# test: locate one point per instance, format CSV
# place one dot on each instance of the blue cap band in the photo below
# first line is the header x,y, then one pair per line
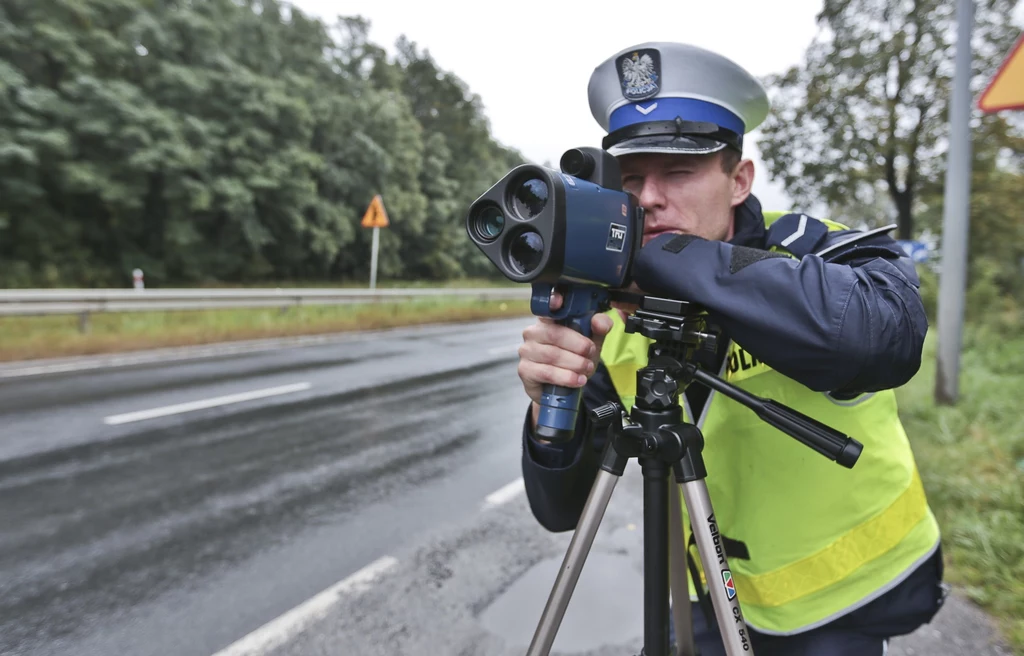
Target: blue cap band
x,y
689,109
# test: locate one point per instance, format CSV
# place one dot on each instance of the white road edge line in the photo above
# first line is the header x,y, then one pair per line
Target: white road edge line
x,y
141,415
504,495
278,631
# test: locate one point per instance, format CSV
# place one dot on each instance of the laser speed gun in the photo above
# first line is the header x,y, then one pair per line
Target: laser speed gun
x,y
573,230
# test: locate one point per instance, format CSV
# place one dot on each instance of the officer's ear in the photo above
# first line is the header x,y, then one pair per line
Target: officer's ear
x,y
742,177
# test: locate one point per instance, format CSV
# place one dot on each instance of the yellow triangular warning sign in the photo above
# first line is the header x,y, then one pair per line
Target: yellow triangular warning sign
x,y
1006,90
375,216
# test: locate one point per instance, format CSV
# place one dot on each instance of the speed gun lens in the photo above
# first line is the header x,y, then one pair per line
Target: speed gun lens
x,y
526,252
530,198
488,223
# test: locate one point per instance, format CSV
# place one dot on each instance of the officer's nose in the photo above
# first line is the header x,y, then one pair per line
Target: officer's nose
x,y
652,195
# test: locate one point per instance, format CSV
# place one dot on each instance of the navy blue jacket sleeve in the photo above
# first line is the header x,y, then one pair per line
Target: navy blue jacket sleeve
x,y
851,323
558,477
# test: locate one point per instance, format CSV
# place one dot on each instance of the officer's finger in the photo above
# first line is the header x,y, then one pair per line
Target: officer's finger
x,y
554,304
600,326
546,354
535,374
561,336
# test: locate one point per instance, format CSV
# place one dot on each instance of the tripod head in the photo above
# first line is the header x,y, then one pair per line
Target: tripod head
x,y
679,329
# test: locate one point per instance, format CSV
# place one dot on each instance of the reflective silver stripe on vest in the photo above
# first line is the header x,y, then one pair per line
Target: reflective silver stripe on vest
x,y
849,403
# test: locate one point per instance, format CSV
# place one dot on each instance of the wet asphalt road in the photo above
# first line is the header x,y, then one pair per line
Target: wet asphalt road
x,y
185,533
180,534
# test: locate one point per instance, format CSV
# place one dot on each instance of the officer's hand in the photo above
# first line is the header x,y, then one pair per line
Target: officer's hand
x,y
558,355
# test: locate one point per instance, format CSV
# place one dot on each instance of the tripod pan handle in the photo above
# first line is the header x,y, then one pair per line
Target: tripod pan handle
x,y
822,438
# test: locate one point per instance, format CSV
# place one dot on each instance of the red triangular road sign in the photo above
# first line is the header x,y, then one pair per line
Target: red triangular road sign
x,y
1006,90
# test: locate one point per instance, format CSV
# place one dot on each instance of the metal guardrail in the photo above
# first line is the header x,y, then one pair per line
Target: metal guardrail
x,y
27,302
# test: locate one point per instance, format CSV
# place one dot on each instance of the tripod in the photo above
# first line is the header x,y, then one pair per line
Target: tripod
x,y
654,432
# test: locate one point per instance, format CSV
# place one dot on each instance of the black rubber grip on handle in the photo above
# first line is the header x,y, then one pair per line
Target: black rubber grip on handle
x,y
824,439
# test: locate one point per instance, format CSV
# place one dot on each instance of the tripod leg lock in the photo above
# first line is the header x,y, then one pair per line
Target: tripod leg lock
x,y
690,465
666,445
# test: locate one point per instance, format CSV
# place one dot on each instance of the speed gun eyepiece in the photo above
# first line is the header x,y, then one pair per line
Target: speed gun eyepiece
x,y
577,163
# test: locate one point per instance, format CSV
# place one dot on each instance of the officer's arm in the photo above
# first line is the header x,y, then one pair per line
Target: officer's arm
x,y
558,477
849,325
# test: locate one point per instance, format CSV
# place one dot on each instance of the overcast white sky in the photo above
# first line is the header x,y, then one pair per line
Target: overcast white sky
x,y
530,62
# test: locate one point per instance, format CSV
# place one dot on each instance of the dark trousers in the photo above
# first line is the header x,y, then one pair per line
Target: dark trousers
x,y
862,632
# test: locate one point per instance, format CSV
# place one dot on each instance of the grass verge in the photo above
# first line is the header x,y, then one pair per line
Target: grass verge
x,y
971,457
26,338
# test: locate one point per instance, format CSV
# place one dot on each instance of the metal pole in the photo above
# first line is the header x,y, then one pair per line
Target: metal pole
x,y
956,216
373,258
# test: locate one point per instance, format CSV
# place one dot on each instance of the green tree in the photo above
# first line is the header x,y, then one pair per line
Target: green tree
x,y
227,140
996,238
865,116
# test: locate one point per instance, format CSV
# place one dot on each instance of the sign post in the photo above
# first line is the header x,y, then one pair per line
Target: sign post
x,y
955,216
376,217
1004,92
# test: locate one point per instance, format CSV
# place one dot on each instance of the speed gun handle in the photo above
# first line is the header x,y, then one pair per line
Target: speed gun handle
x,y
559,406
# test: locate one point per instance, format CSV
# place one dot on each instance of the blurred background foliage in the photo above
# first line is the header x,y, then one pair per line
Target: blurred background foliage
x,y
222,141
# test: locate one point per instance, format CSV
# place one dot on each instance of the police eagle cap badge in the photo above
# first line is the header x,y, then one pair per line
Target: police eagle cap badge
x,y
639,73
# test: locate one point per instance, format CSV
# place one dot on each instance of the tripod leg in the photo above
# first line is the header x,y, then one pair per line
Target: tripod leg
x,y
656,566
682,616
716,569
572,564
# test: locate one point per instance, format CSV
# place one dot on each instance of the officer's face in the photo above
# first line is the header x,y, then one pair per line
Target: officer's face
x,y
689,194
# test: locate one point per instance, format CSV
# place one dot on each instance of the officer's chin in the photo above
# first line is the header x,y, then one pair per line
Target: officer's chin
x,y
651,235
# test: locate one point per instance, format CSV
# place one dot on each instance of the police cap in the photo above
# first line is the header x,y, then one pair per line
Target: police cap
x,y
660,97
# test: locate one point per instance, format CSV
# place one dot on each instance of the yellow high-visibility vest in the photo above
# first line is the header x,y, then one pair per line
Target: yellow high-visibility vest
x,y
822,539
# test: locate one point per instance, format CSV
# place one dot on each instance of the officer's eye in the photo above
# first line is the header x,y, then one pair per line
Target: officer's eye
x,y
632,183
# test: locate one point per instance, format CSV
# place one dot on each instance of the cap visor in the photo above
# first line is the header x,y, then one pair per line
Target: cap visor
x,y
667,144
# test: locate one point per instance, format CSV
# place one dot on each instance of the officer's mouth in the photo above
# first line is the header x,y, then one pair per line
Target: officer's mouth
x,y
648,236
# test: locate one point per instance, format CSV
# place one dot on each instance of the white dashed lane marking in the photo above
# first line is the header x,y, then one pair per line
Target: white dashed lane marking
x,y
191,406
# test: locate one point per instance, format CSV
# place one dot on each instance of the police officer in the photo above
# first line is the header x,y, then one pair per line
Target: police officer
x,y
827,561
